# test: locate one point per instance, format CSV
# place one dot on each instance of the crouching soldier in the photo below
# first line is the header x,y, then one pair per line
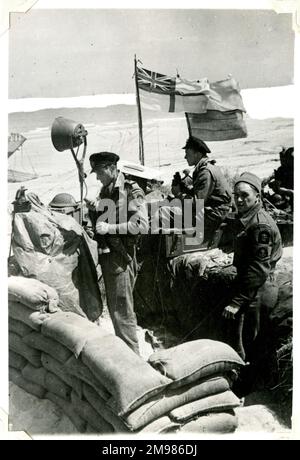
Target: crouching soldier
x,y
120,215
257,249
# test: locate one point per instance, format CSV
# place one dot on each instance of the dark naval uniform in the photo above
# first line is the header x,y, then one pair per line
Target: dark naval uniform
x,y
257,248
119,266
210,185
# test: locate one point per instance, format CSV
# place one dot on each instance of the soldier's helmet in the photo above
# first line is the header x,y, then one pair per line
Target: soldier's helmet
x,y
64,203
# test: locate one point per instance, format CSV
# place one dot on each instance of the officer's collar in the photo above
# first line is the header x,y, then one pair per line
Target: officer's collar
x,y
202,162
118,183
120,180
246,218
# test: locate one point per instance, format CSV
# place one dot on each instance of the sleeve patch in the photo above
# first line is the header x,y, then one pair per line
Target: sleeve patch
x,y
263,237
262,253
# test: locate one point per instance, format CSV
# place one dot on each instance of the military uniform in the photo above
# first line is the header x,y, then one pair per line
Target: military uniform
x,y
210,185
119,266
257,248
285,176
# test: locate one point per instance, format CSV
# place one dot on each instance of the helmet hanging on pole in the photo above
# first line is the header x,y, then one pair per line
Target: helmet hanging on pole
x,y
67,134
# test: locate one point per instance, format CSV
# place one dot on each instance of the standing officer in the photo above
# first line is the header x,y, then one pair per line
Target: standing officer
x,y
121,214
257,248
209,184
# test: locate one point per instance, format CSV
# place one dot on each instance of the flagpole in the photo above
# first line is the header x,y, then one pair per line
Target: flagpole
x,y
140,121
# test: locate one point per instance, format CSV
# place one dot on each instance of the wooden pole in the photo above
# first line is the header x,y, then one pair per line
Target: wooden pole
x,y
140,121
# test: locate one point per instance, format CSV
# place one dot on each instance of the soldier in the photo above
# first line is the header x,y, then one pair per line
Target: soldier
x,y
281,181
116,233
209,184
65,203
257,248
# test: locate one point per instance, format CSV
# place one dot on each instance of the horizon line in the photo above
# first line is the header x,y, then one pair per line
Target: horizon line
x,y
258,102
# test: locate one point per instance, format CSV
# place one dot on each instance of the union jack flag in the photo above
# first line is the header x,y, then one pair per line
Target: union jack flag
x,y
155,82
175,94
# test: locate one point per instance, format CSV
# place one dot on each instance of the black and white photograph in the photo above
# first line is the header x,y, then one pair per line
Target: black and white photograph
x,y
148,236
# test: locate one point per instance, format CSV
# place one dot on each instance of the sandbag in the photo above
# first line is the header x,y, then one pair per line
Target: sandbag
x,y
56,386
102,409
86,411
17,361
216,403
32,388
69,410
71,330
57,368
126,375
163,403
18,327
32,293
34,374
57,271
90,429
20,312
160,426
222,422
19,346
194,360
284,307
49,346
53,248
79,370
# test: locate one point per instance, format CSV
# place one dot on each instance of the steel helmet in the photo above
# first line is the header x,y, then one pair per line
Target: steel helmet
x,y
63,200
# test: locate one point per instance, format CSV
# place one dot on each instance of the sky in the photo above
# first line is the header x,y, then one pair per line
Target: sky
x,y
69,53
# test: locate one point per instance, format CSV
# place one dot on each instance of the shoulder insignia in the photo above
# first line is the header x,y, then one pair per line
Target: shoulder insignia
x,y
134,189
262,232
263,237
262,253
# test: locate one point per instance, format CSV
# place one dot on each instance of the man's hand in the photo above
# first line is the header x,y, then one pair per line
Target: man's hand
x,y
176,190
89,232
102,228
230,312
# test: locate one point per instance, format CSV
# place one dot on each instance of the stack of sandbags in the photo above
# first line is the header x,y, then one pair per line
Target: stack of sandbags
x,y
202,372
30,303
104,387
83,366
127,379
197,397
186,387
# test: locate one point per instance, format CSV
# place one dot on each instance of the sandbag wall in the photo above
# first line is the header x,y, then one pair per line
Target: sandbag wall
x,y
103,386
